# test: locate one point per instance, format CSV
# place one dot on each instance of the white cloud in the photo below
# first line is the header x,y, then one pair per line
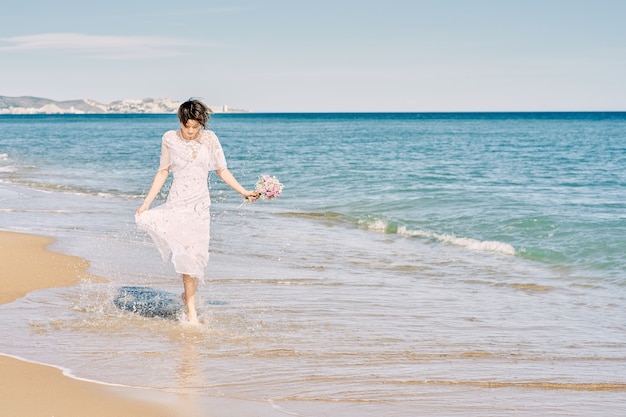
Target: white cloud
x,y
100,47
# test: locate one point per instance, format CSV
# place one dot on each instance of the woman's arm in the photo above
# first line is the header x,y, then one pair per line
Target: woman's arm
x,y
157,183
229,179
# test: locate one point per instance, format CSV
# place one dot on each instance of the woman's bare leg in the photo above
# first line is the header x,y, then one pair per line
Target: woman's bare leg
x,y
189,297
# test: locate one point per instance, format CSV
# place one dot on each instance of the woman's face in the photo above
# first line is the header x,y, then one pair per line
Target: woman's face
x,y
191,129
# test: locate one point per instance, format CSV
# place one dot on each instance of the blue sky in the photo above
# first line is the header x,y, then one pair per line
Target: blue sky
x,y
275,56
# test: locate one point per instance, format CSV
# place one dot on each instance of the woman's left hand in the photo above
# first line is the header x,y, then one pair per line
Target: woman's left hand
x,y
252,195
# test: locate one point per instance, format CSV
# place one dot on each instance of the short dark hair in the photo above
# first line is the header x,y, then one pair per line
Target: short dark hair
x,y
194,110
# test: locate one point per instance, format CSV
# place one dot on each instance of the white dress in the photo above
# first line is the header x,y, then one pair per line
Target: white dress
x,y
180,228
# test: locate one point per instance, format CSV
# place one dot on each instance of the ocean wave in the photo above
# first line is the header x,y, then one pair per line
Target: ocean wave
x,y
376,225
67,189
8,168
43,211
470,243
383,225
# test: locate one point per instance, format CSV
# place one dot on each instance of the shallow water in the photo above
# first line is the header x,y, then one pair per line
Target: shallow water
x,y
352,305
347,332
474,345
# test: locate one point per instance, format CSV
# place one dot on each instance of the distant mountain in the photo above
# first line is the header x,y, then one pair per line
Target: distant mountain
x,y
37,105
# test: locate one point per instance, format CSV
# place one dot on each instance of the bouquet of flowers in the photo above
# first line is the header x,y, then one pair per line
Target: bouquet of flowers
x,y
269,187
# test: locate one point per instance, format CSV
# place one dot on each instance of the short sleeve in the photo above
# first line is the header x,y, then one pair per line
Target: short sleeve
x,y
217,160
166,160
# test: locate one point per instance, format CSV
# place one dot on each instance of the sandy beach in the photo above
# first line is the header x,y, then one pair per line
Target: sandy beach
x,y
28,389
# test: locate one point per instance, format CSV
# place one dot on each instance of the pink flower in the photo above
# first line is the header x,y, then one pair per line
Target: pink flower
x,y
269,186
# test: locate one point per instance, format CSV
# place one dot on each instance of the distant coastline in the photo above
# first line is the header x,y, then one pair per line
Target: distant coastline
x,y
37,105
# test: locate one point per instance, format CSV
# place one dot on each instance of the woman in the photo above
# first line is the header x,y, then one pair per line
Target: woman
x,y
181,226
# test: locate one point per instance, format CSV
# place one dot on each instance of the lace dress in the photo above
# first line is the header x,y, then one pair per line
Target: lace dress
x,y
180,228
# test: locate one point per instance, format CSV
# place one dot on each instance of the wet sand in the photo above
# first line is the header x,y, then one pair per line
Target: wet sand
x,y
29,389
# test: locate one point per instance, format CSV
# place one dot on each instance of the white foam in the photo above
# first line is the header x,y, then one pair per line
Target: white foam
x,y
473,244
3,158
377,225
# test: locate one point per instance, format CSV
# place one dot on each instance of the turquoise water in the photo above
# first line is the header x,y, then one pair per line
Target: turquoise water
x,y
544,186
475,259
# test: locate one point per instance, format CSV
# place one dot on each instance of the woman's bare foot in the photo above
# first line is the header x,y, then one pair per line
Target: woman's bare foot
x,y
192,316
189,298
190,309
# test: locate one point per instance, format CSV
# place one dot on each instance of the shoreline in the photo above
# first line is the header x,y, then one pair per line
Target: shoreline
x,y
33,389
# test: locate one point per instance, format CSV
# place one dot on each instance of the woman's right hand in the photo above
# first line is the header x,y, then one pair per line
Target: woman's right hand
x,y
140,210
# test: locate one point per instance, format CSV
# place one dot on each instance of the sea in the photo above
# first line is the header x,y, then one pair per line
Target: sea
x,y
416,264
